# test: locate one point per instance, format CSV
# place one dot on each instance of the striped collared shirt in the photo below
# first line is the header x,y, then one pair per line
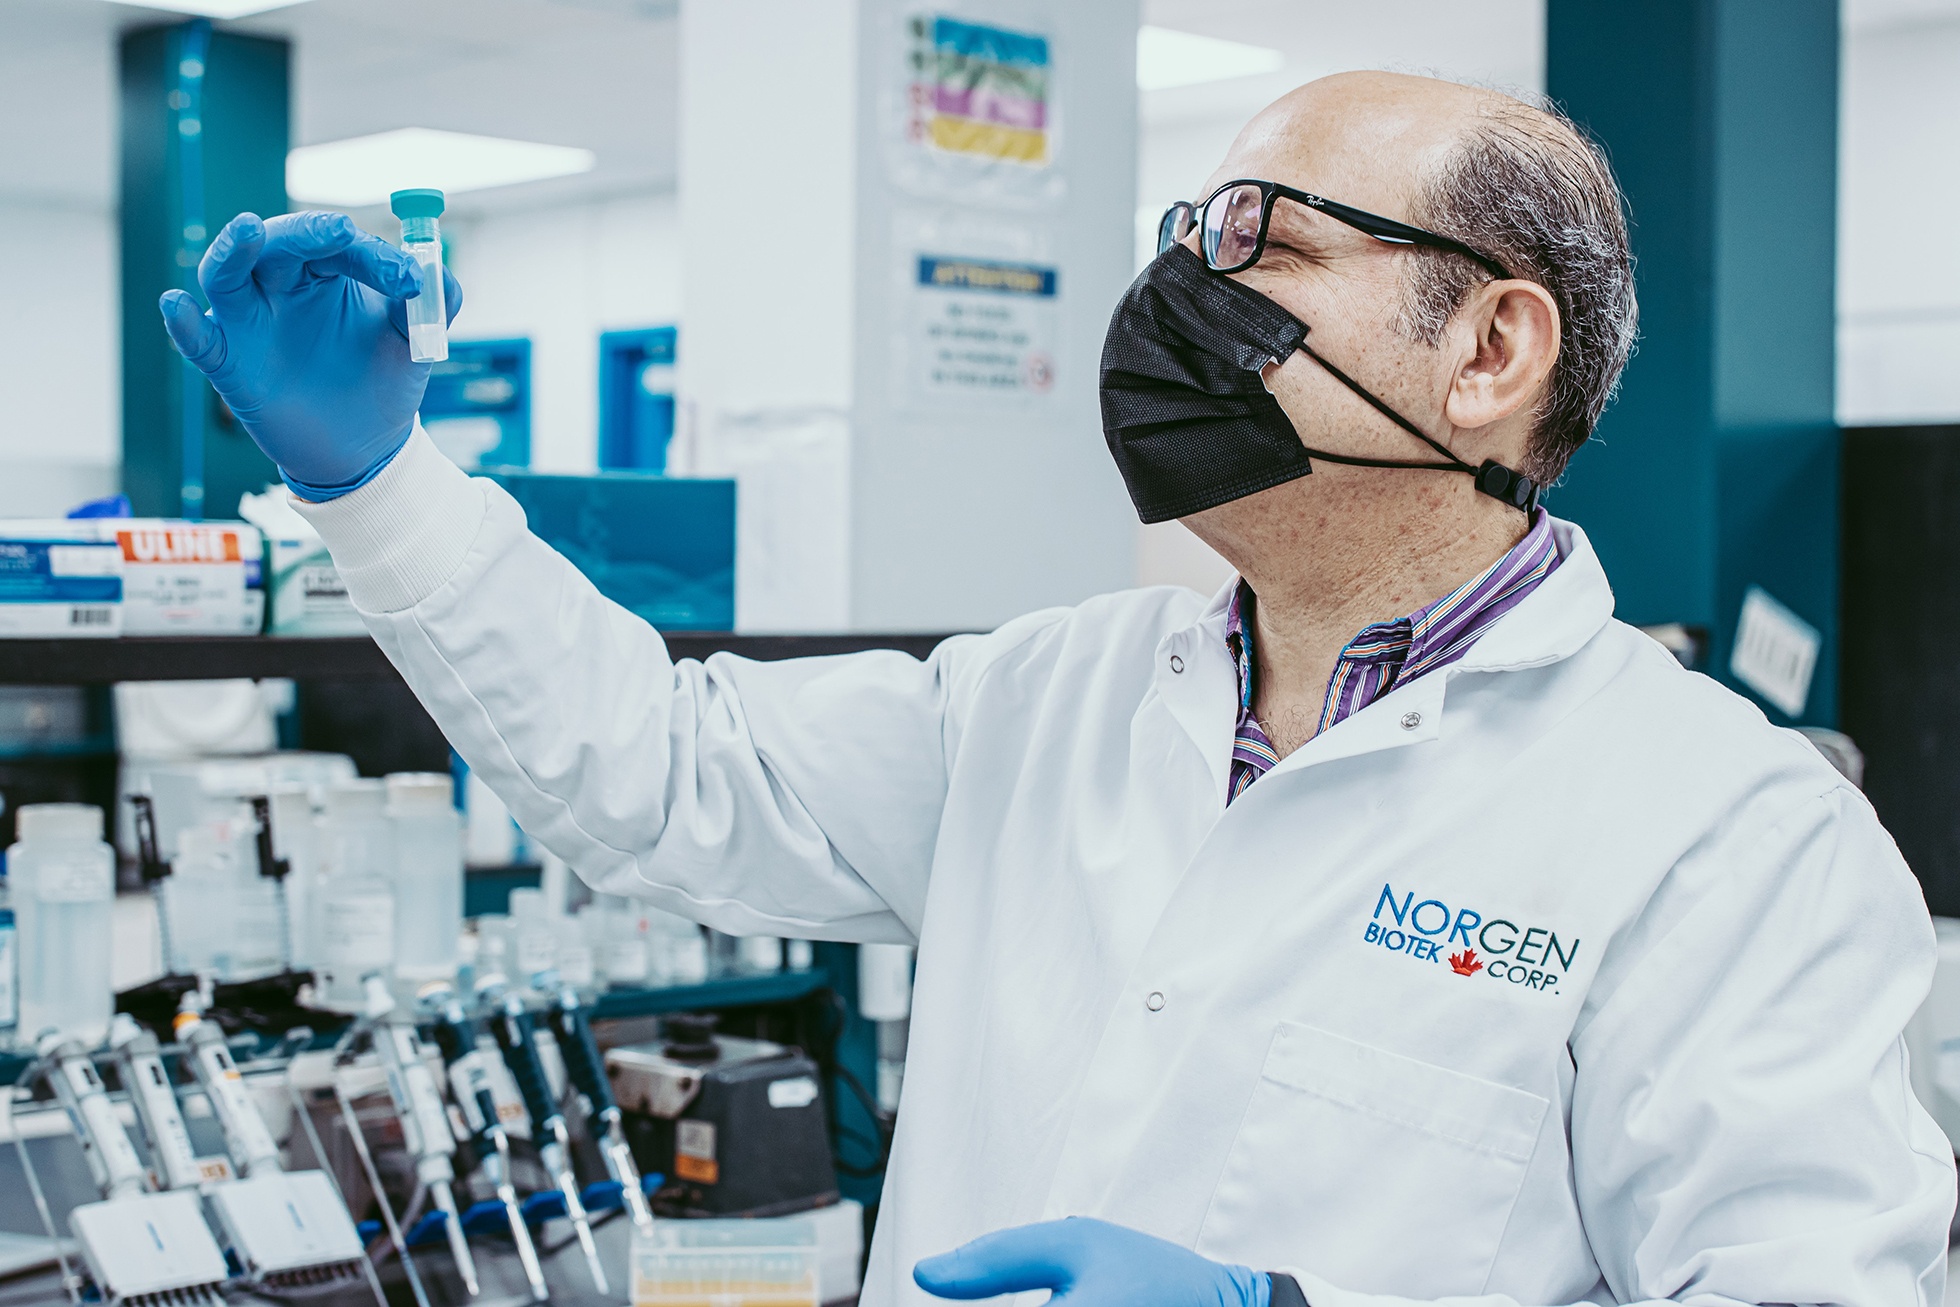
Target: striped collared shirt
x,y
1388,654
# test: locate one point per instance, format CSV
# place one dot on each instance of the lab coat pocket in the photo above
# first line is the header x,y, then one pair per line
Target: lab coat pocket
x,y
1376,1171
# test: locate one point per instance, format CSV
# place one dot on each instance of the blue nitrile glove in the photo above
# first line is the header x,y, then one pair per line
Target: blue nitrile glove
x,y
1090,1263
307,341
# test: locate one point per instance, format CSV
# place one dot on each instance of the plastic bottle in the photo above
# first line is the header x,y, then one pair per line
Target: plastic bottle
x,y
354,897
63,878
533,936
428,876
224,916
9,968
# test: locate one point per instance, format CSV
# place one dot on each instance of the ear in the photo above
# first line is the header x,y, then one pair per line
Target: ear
x,y
1508,359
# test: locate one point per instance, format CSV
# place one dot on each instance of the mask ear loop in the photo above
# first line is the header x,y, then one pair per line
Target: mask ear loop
x,y
1492,478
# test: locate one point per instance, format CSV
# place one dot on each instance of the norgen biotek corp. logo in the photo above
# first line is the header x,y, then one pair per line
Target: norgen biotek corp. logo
x,y
1531,956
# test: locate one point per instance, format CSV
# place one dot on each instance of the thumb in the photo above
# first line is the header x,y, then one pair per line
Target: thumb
x,y
1008,1261
195,334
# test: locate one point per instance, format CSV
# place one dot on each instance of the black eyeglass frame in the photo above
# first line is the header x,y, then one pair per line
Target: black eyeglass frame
x,y
1387,230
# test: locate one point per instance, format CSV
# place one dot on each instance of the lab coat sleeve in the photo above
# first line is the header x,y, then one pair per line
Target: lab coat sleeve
x,y
799,798
1742,1127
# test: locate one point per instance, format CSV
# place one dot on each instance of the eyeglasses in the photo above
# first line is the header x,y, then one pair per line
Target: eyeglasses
x,y
1233,221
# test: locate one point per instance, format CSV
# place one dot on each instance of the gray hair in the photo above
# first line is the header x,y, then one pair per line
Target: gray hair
x,y
1527,187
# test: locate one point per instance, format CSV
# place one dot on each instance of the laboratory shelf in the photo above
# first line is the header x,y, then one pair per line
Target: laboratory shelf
x,y
219,657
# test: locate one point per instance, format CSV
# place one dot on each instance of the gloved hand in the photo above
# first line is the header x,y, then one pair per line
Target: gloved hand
x,y
1090,1263
307,341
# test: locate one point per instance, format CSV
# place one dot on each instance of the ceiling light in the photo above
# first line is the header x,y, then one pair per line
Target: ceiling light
x,y
214,8
1167,58
366,169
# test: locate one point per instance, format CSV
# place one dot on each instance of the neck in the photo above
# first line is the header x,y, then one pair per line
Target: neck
x,y
1362,546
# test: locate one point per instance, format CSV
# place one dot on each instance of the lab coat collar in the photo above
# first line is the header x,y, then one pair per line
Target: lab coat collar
x,y
1199,684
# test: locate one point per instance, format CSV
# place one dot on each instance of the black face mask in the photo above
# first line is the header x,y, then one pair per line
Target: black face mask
x,y
1189,419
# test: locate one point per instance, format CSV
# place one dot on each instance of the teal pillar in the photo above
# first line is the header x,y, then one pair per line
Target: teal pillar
x,y
1717,469
205,127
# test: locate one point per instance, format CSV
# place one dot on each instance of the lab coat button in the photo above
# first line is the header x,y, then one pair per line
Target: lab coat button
x,y
1155,1002
1177,664
1411,720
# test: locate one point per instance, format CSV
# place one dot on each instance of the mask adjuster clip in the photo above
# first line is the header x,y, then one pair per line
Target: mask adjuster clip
x,y
1513,488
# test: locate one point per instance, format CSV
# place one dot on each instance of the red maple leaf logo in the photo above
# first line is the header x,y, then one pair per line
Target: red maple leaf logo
x,y
1465,963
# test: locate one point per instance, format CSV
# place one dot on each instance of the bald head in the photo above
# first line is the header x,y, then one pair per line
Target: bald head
x,y
1515,180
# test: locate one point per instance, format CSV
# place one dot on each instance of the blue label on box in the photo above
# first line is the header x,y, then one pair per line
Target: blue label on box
x,y
53,571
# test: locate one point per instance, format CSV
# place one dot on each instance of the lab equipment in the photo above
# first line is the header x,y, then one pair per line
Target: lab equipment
x,y
426,1134
1091,1261
737,1125
457,1037
63,878
533,935
140,1247
286,1228
885,1000
355,893
477,408
511,1026
140,1064
223,918
755,1263
571,1027
663,547
9,964
61,580
280,366
428,317
428,848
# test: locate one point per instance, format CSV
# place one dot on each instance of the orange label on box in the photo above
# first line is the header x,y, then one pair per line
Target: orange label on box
x,y
179,544
698,1169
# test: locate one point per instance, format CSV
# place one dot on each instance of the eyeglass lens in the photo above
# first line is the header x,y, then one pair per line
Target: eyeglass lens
x,y
1231,227
1176,225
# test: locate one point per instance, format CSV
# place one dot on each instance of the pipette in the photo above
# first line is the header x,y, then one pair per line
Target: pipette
x,y
140,1063
140,1247
456,1037
511,1027
425,1125
288,1229
573,1031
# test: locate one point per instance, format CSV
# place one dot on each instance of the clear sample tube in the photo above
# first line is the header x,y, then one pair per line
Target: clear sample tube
x,y
428,313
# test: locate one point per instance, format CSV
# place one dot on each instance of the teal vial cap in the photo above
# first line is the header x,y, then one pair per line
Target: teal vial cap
x,y
421,203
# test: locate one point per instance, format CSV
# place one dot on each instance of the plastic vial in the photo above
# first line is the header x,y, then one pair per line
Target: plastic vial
x,y
428,876
428,313
63,878
223,916
354,898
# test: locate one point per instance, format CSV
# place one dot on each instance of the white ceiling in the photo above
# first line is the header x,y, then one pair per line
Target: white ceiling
x,y
602,74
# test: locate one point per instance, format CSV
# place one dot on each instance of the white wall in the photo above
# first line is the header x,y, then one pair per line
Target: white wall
x,y
561,276
1898,256
60,347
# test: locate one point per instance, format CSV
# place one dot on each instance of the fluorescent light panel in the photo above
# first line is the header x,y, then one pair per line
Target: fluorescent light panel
x,y
365,170
213,8
1167,58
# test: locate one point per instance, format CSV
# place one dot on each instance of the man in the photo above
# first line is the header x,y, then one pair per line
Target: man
x,y
1395,926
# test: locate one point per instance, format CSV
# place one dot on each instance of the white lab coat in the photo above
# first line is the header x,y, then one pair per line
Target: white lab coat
x,y
1557,975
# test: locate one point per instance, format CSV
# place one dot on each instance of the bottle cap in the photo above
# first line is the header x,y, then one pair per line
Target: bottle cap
x,y
421,792
60,821
421,203
360,797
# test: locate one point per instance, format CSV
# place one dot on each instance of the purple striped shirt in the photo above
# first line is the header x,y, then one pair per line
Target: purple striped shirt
x,y
1388,654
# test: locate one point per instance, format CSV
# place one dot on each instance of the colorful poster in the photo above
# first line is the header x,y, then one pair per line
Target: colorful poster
x,y
979,91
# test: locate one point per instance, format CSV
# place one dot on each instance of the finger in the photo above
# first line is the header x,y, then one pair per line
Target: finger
x,y
294,240
1008,1261
226,269
193,331
452,291
373,262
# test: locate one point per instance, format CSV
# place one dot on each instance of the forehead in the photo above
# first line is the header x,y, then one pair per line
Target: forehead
x,y
1362,139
